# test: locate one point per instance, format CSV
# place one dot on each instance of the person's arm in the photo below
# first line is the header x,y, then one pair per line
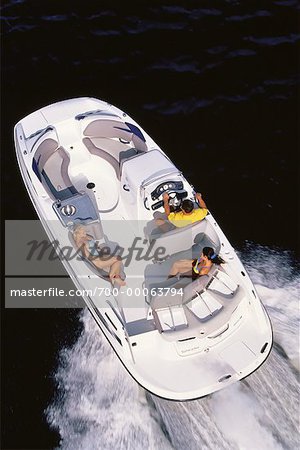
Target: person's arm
x,y
166,204
200,201
84,248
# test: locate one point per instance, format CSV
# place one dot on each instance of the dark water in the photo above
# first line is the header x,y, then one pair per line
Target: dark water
x,y
214,83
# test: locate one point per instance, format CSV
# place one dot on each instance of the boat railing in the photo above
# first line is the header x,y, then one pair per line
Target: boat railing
x,y
123,327
96,112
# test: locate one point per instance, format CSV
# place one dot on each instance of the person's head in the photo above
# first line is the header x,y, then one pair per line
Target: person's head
x,y
79,231
187,206
209,255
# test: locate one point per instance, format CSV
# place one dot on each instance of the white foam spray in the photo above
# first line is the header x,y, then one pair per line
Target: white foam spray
x,y
99,405
261,412
278,284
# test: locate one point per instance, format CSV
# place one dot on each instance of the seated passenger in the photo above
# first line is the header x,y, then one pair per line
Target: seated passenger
x,y
187,215
89,250
195,268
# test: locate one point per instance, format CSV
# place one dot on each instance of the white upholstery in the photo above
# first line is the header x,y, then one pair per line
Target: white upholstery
x,y
223,284
199,308
171,318
195,287
227,281
212,304
204,305
179,317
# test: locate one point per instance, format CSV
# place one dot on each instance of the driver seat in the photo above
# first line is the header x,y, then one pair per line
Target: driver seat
x,y
152,230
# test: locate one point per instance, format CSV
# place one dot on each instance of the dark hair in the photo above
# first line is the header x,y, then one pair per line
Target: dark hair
x,y
187,206
209,252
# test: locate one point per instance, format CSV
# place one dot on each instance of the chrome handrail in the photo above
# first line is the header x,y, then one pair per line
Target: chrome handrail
x,y
123,327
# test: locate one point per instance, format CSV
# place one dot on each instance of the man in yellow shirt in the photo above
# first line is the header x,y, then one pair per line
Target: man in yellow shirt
x,y
188,213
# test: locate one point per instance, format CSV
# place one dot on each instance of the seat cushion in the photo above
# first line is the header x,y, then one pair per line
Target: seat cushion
x,y
204,306
168,319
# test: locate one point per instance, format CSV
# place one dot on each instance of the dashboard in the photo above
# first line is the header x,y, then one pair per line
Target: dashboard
x,y
165,187
174,188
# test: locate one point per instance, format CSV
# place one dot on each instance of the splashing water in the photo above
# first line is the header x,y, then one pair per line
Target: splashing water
x,y
277,282
259,413
99,405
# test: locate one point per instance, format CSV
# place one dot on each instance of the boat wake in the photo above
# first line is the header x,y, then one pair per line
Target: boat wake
x,y
99,406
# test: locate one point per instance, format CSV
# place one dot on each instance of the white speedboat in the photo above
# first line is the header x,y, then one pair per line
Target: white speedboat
x,y
87,162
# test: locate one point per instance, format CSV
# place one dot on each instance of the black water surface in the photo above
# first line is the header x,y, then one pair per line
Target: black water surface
x,y
214,83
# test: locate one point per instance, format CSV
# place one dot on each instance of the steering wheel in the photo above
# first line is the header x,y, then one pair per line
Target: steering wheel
x,y
174,200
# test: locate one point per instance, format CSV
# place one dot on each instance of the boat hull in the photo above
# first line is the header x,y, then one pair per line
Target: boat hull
x,y
189,361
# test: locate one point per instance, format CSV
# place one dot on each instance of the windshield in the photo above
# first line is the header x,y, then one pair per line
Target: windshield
x,y
146,168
